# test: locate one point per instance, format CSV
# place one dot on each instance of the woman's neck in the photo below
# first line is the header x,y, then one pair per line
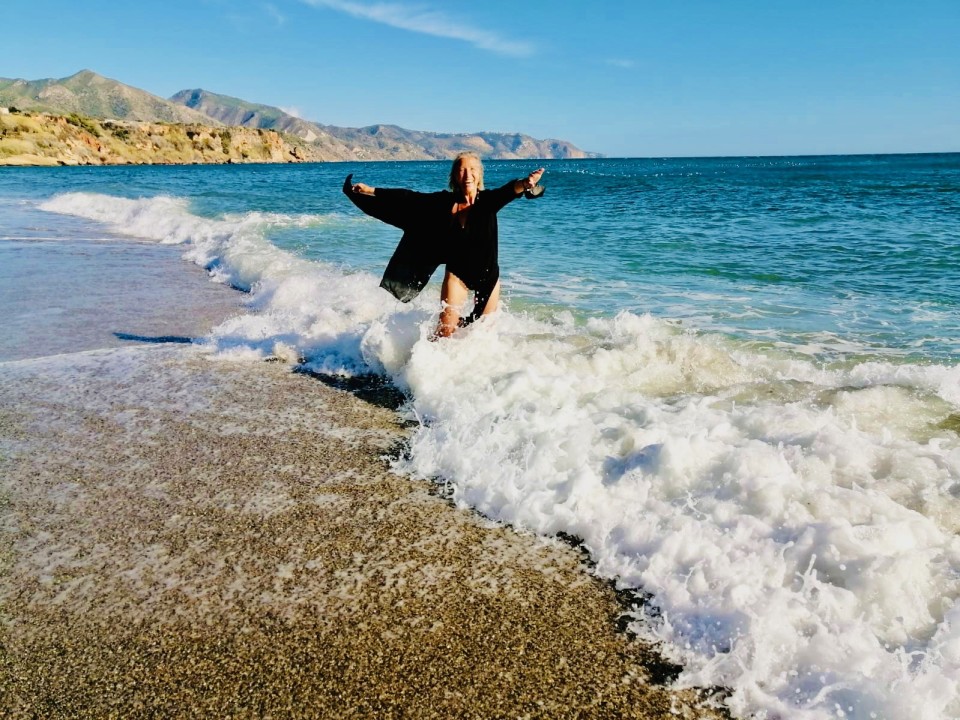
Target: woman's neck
x,y
467,197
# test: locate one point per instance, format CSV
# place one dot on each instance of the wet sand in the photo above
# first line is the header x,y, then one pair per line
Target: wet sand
x,y
59,296
187,537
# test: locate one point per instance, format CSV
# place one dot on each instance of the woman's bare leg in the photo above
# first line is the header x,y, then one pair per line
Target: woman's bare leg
x,y
493,300
453,294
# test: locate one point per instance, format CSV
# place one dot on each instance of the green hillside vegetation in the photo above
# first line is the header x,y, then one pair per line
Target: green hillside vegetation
x,y
74,139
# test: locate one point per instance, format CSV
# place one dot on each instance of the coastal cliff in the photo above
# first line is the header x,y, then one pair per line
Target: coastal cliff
x,y
46,139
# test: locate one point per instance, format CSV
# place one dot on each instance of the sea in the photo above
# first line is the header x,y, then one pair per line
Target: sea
x,y
734,382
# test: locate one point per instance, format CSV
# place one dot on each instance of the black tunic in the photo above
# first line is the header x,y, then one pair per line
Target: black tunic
x,y
432,236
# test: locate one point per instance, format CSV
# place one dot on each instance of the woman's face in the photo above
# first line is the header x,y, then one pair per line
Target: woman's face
x,y
468,174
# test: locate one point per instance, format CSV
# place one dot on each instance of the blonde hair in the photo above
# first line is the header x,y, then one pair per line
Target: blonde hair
x,y
454,185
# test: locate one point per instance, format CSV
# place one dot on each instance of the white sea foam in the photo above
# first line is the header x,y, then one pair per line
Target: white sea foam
x,y
795,524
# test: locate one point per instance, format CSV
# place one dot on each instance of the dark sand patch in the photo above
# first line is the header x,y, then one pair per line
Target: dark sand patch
x,y
181,537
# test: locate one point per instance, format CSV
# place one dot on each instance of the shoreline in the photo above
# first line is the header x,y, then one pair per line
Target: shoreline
x,y
182,535
190,536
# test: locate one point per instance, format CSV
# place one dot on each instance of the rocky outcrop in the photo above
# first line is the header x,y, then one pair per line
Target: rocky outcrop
x,y
43,139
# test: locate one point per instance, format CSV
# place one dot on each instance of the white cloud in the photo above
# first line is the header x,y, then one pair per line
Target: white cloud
x,y
251,19
421,19
621,63
273,12
295,111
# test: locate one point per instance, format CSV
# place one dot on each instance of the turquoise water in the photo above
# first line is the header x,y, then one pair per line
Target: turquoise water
x,y
831,255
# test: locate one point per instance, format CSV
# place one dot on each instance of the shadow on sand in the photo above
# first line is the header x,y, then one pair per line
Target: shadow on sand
x,y
155,339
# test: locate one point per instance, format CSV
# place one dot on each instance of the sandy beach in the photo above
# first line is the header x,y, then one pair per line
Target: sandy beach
x,y
189,537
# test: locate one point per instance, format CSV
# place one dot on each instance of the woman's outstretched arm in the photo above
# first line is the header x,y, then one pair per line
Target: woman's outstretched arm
x,y
515,188
394,206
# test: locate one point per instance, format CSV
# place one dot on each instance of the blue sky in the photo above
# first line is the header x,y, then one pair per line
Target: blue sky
x,y
682,78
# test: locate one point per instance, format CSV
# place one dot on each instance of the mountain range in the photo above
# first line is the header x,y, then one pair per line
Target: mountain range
x,y
89,94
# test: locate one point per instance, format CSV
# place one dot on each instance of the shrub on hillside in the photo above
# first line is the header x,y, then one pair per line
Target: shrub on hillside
x,y
15,146
84,123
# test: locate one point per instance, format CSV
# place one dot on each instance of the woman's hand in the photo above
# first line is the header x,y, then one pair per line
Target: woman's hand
x,y
527,184
361,189
532,179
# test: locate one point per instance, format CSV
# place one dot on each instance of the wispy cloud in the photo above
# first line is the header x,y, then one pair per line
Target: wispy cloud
x,y
621,63
295,111
273,12
250,18
422,19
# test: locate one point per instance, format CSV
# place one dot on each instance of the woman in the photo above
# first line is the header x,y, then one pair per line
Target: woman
x,y
457,228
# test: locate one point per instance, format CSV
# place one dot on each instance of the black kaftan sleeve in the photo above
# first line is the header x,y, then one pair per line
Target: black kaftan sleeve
x,y
419,252
501,196
409,269
394,206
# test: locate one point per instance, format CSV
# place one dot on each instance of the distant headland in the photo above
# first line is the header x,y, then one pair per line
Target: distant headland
x,y
87,119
